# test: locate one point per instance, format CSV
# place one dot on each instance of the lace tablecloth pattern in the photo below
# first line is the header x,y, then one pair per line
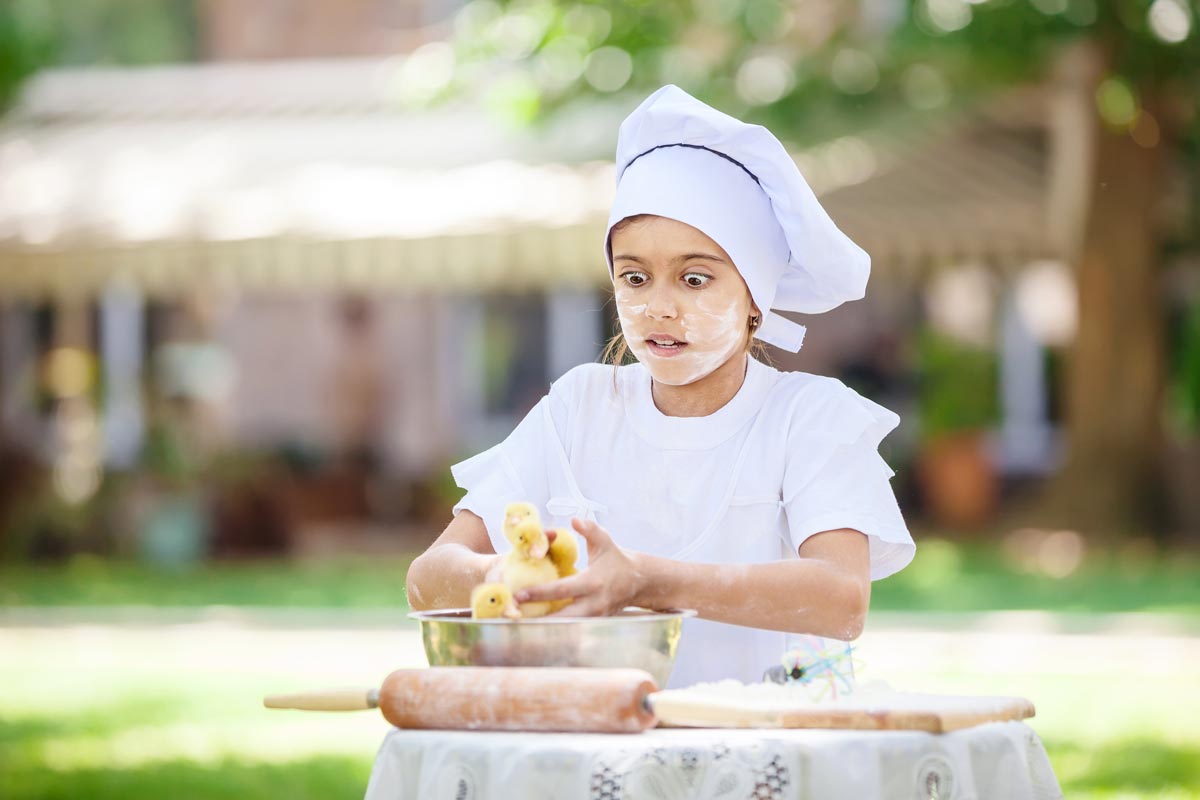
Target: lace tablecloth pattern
x,y
1003,760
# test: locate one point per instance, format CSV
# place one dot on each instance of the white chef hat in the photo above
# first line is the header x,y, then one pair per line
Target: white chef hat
x,y
682,159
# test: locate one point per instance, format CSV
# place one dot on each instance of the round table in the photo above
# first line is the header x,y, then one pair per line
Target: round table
x,y
996,760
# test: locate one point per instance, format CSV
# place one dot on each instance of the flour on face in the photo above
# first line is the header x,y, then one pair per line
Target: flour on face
x,y
698,306
712,337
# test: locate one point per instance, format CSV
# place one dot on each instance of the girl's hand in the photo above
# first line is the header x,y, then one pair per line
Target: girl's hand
x,y
611,581
495,571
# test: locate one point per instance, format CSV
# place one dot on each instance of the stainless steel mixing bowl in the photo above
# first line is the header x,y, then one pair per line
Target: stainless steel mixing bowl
x,y
633,638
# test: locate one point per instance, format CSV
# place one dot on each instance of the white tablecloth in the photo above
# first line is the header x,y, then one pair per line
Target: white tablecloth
x,y
1003,760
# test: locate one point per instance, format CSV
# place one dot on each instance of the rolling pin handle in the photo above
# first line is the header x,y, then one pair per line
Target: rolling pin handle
x,y
326,700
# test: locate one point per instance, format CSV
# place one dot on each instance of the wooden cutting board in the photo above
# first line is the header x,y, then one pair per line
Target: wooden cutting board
x,y
935,713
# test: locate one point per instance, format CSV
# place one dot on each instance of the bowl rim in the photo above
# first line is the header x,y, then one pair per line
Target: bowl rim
x,y
463,617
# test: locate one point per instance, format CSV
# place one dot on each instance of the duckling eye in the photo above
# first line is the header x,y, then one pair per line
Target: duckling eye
x,y
491,600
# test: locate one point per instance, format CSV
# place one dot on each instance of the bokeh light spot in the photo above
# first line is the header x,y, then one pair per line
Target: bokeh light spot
x,y
854,72
1170,20
608,69
1116,102
764,79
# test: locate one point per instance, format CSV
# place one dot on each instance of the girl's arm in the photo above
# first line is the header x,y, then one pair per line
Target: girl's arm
x,y
826,591
443,576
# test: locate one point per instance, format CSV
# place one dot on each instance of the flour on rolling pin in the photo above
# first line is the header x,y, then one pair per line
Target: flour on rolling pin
x,y
519,699
872,706
564,699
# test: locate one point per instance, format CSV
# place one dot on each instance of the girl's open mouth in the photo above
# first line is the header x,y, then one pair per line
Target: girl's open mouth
x,y
666,347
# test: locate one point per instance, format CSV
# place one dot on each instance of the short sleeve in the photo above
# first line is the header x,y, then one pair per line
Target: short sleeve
x,y
835,477
516,469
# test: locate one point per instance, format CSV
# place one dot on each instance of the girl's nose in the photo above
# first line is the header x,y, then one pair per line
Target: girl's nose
x,y
661,304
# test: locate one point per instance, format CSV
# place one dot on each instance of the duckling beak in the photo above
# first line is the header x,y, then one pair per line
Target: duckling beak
x,y
511,611
539,550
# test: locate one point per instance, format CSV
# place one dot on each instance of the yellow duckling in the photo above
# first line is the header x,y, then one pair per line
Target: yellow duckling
x,y
563,554
526,564
491,600
516,513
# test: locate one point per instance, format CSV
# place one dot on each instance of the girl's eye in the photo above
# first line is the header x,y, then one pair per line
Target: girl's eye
x,y
634,278
697,279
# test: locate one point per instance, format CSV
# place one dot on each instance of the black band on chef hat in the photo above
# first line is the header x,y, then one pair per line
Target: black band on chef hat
x,y
696,147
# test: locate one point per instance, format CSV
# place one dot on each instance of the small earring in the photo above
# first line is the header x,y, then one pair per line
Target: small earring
x,y
754,321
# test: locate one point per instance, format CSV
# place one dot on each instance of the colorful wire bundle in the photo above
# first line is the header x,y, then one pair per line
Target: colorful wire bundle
x,y
816,661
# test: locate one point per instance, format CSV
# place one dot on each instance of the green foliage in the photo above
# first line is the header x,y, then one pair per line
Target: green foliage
x,y
37,33
765,59
1185,384
46,526
169,453
124,32
957,385
26,43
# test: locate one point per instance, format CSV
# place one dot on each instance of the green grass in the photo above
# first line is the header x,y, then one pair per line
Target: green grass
x,y
950,577
167,713
1127,768
318,777
139,727
944,577
156,716
337,583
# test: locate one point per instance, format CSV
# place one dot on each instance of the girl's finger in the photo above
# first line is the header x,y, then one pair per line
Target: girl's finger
x,y
495,572
574,586
591,532
580,608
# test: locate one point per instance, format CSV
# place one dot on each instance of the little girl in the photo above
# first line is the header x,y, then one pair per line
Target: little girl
x,y
700,477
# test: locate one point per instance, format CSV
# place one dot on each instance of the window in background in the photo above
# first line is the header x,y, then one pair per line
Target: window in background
x,y
515,353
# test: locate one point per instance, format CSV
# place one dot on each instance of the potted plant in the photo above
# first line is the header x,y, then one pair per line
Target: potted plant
x,y
958,405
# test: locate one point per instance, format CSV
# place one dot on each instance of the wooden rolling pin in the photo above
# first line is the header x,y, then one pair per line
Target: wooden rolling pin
x,y
579,699
576,699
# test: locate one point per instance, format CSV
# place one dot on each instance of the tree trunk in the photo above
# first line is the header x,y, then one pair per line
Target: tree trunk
x,y
1110,484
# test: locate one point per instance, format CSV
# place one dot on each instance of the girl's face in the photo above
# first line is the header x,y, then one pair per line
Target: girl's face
x,y
683,306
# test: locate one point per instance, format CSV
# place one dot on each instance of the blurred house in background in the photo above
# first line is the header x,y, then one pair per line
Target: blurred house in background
x,y
268,191
482,266
203,228
270,246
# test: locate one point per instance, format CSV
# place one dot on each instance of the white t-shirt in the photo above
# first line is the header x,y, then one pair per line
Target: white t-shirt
x,y
791,455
